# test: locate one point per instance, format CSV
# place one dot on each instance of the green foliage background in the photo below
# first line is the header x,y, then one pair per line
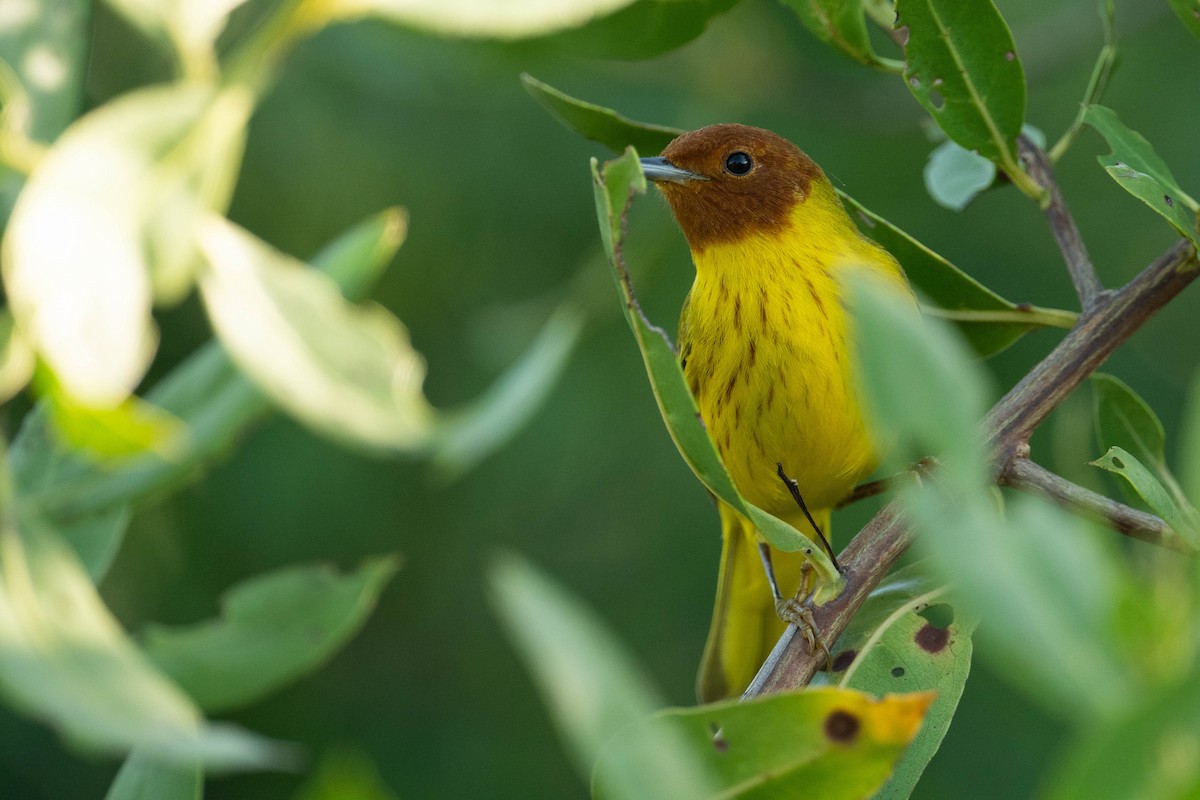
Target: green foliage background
x,y
368,115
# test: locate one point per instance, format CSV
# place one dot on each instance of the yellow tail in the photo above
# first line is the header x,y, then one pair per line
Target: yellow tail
x,y
745,625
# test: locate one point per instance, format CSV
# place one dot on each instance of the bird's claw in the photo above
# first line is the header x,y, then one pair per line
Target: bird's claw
x,y
799,612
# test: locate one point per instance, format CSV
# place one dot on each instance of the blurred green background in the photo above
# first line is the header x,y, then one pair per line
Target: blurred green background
x,y
369,115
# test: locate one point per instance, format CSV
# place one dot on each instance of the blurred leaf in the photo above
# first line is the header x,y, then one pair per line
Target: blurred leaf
x,y
1050,584
65,661
843,24
16,359
191,26
345,775
1123,419
593,688
143,778
954,175
962,66
88,503
894,645
598,123
44,45
989,322
1189,443
642,29
835,744
514,19
1188,12
347,371
614,189
463,437
1134,164
1123,463
84,299
923,392
273,629
1148,753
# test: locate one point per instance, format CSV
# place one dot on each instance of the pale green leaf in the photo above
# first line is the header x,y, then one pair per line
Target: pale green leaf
x,y
84,299
16,358
954,175
143,778
592,687
1126,465
833,744
614,190
347,371
273,629
44,46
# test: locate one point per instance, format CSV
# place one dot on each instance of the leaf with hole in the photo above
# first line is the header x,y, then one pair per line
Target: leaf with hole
x,y
1141,172
910,635
827,743
1122,463
614,188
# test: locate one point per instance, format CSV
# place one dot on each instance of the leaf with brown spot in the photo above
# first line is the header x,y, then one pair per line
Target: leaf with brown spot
x,y
835,744
890,647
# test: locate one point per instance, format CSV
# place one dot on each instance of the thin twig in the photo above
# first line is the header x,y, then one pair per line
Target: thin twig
x,y
1021,473
1062,225
870,555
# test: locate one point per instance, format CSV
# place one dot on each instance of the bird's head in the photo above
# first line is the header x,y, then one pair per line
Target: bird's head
x,y
727,182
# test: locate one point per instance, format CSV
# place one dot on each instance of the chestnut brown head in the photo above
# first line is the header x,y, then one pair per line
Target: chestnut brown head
x,y
725,182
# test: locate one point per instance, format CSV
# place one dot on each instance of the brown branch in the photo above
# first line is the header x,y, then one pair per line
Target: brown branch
x,y
1023,474
1103,326
1062,225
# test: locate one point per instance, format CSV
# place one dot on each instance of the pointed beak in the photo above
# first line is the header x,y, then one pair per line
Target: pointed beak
x,y
660,170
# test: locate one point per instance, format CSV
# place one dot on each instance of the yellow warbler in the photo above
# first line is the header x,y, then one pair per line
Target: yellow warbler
x,y
763,341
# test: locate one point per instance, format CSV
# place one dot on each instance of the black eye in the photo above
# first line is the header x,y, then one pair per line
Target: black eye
x,y
738,163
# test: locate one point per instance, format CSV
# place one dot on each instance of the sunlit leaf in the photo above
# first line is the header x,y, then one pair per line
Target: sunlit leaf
x,y
909,636
143,778
273,629
192,26
469,18
84,298
989,322
842,23
1134,164
962,66
348,371
44,45
16,358
65,661
593,688
463,437
835,744
1126,465
88,503
614,189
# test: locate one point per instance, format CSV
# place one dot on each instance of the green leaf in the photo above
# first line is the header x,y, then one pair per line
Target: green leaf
x,y
16,358
614,189
1123,419
273,629
143,778
84,300
896,643
191,26
88,503
962,66
835,744
1189,444
989,322
44,46
641,30
1150,752
1188,12
598,123
1123,463
65,661
345,775
347,371
1134,164
593,687
463,437
843,24
954,175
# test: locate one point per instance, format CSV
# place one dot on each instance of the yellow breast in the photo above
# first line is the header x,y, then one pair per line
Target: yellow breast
x,y
764,345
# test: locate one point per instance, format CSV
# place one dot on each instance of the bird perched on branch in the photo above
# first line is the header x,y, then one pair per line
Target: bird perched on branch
x,y
763,342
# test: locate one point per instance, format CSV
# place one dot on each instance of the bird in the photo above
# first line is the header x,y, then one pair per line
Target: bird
x,y
764,343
